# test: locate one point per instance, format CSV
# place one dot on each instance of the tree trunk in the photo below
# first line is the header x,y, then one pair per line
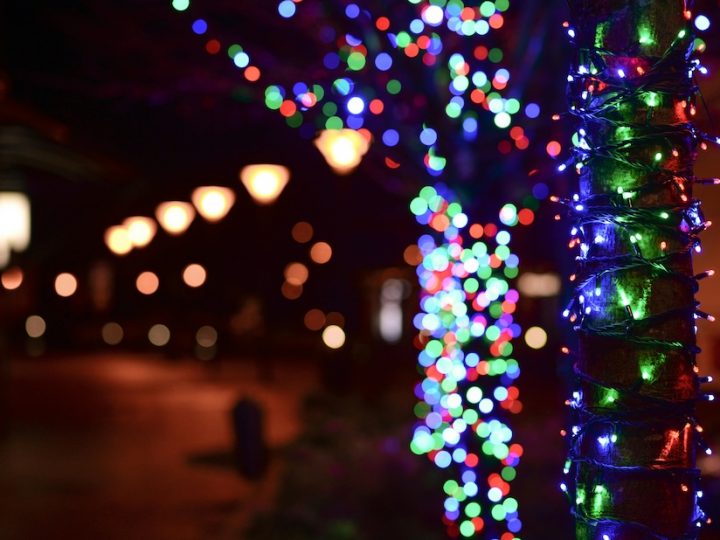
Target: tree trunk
x,y
633,451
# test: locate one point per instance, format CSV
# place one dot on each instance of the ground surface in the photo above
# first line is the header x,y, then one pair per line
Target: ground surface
x,y
117,446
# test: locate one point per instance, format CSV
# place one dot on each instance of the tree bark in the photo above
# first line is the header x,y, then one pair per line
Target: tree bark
x,y
633,451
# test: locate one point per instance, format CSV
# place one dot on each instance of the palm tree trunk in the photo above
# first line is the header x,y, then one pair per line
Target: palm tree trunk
x,y
633,449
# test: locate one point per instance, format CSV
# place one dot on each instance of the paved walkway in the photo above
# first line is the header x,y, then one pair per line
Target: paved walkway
x,y
134,447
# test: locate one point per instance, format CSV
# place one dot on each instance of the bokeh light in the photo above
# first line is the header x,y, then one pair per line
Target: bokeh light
x,y
553,148
206,336
117,239
264,181
141,230
536,285
147,282
15,222
412,255
65,284
702,23
333,336
35,326
336,318
296,273
302,232
465,331
213,202
12,278
343,149
112,333
175,216
321,252
314,319
291,291
535,337
159,335
194,275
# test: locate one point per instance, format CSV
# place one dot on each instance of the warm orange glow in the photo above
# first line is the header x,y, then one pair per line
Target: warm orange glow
x,y
334,337
12,278
147,283
159,335
296,273
553,148
213,202
175,216
14,224
412,255
314,319
117,240
291,291
321,252
206,336
141,230
194,275
65,284
302,232
112,333
265,182
338,319
343,149
536,337
35,326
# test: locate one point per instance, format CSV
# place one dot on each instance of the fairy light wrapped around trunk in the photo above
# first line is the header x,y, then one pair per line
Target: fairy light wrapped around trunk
x,y
633,450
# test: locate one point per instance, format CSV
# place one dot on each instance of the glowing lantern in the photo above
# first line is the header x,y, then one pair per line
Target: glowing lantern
x,y
117,239
141,230
264,182
213,202
343,149
14,224
175,216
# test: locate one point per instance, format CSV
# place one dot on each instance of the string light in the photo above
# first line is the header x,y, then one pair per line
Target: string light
x,y
361,89
636,226
465,332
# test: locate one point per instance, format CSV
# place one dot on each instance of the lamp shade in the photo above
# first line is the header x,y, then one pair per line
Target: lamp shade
x,y
175,216
141,230
264,182
14,224
117,239
213,202
343,149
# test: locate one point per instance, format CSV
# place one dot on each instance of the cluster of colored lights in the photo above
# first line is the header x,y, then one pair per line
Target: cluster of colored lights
x,y
363,86
239,56
633,220
465,332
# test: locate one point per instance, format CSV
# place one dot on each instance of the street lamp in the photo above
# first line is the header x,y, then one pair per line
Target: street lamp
x,y
343,149
141,230
117,239
14,224
213,202
265,182
175,216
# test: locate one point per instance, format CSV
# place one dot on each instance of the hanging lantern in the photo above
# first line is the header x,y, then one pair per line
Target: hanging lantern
x,y
343,149
14,224
213,202
141,230
117,239
264,182
175,216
